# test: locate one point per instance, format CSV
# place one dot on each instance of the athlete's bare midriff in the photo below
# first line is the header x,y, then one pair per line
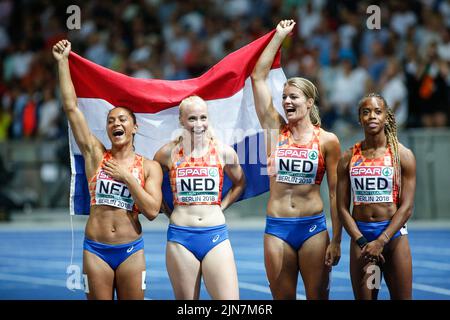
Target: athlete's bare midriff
x,y
112,225
290,200
197,216
374,212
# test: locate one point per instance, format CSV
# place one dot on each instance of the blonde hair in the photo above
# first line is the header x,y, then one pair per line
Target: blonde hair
x,y
390,130
190,101
310,91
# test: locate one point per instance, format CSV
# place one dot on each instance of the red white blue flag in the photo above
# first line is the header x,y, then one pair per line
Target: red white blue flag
x,y
226,88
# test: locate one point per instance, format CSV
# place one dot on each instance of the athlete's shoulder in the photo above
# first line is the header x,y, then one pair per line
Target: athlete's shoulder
x,y
227,153
347,155
167,148
403,148
163,155
328,136
149,162
329,141
405,153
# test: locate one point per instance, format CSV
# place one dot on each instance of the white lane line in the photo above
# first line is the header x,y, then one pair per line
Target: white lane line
x,y
346,276
36,281
433,289
430,250
263,289
32,280
415,285
431,265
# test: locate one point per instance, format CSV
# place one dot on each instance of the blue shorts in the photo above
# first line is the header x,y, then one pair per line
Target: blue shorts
x,y
198,240
113,254
295,231
372,230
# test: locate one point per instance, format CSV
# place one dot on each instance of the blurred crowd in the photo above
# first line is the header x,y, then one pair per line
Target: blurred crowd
x,y
407,59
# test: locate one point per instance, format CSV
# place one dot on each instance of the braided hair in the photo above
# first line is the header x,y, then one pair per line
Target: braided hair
x,y
390,130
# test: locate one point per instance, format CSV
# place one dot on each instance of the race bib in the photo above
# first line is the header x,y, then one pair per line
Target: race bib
x,y
197,184
372,184
113,193
296,166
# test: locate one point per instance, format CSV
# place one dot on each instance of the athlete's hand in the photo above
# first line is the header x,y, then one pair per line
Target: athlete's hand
x,y
61,50
333,254
116,171
285,27
372,252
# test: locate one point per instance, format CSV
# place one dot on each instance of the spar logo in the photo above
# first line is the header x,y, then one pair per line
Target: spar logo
x,y
103,176
213,172
387,172
192,172
313,155
367,171
292,153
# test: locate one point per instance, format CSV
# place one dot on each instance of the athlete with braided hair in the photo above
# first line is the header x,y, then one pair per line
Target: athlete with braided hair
x,y
380,173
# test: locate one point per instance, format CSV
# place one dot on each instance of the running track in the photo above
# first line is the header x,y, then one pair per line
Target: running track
x,y
33,265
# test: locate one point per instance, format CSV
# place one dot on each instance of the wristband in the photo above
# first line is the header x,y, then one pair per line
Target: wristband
x,y
361,242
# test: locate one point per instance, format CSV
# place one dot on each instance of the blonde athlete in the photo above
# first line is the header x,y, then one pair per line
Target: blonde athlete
x,y
380,173
197,237
300,152
121,184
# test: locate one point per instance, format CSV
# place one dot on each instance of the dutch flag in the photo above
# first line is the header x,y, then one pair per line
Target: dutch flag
x,y
226,88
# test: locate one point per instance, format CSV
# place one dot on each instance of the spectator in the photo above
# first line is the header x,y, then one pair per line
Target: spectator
x,y
348,89
5,123
181,39
394,91
48,126
432,89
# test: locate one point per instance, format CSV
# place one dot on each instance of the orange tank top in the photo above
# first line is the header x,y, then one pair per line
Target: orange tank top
x,y
372,180
297,164
196,181
104,190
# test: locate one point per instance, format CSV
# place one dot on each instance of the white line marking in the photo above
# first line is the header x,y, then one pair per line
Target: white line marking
x,y
263,289
431,265
430,250
415,285
33,280
433,289
36,280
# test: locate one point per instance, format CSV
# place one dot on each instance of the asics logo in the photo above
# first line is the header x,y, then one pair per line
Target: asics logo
x,y
130,249
216,237
314,227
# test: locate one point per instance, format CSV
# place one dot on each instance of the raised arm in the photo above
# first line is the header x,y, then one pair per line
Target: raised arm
x,y
234,171
267,114
332,155
86,141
